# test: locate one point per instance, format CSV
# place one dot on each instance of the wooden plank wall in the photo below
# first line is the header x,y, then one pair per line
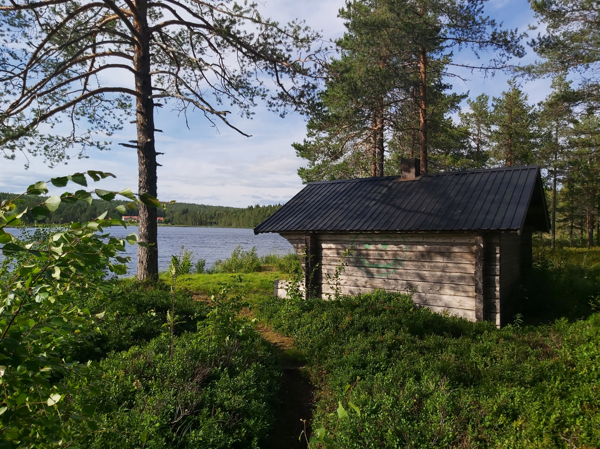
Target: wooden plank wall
x,y
438,268
491,278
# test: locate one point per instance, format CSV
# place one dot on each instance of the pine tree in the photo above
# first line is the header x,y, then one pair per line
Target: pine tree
x,y
477,126
513,135
584,170
394,57
555,121
193,55
570,43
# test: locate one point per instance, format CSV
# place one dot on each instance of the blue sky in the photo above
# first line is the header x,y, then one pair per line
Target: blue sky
x,y
218,166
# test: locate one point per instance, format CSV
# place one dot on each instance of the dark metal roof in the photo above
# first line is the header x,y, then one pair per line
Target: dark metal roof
x,y
477,200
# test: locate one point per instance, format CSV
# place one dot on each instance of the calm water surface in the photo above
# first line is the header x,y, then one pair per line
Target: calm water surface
x,y
206,243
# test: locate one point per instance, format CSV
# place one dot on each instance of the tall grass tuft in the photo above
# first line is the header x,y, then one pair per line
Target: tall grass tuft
x,y
240,262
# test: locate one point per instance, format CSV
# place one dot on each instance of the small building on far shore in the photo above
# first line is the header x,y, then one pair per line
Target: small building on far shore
x,y
136,218
460,241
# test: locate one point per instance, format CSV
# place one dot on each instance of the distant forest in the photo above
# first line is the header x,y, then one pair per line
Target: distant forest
x,y
181,214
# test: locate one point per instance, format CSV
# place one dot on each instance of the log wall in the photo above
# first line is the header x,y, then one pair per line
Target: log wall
x,y
467,275
440,269
506,257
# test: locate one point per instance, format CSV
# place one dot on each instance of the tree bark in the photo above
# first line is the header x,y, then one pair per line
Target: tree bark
x,y
374,144
589,215
379,136
147,231
553,224
423,109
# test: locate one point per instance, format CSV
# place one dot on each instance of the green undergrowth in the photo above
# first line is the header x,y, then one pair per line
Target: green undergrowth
x,y
216,391
242,261
131,313
402,376
564,283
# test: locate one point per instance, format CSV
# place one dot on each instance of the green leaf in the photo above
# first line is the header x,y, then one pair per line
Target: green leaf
x,y
53,399
53,202
341,411
103,215
2,410
79,178
84,196
97,175
132,239
88,410
127,193
118,269
149,200
121,209
4,237
105,194
12,248
354,407
39,188
100,315
318,436
68,198
60,182
144,436
39,213
56,273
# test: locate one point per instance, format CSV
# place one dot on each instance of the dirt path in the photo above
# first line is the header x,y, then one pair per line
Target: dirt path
x,y
296,394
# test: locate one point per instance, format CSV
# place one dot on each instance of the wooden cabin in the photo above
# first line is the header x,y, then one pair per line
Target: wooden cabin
x,y
460,241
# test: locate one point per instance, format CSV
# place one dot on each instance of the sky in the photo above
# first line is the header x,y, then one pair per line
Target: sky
x,y
217,166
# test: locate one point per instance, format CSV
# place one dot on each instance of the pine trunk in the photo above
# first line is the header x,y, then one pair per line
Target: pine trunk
x,y
147,231
379,136
423,109
374,144
553,224
589,215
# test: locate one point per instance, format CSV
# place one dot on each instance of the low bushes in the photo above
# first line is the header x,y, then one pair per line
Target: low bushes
x,y
240,262
564,283
215,393
131,314
423,380
249,262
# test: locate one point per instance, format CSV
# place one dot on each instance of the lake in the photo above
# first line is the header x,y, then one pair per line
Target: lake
x,y
206,243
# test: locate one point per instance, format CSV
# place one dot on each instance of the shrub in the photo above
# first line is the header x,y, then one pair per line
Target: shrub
x,y
562,283
215,392
240,262
426,380
133,313
200,266
288,263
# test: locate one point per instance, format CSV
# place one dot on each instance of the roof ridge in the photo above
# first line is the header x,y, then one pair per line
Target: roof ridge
x,y
457,172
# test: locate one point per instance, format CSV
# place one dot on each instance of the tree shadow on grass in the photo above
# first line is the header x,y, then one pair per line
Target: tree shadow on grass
x,y
559,286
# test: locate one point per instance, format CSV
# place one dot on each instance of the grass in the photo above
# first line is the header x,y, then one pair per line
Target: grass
x,y
564,283
255,285
256,274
